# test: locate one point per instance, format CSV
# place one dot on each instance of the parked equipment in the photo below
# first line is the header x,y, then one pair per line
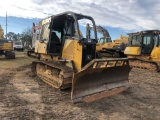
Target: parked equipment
x,y
144,49
1,32
106,46
6,48
18,45
68,59
31,49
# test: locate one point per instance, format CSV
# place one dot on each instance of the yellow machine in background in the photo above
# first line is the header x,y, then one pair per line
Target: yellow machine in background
x,y
31,49
105,43
106,46
68,59
6,48
144,49
1,32
114,49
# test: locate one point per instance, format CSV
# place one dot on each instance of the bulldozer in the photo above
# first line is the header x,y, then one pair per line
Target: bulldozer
x,y
106,46
6,48
143,50
67,59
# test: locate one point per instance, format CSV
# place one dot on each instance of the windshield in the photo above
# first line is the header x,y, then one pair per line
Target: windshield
x,y
147,44
156,39
103,40
82,27
147,39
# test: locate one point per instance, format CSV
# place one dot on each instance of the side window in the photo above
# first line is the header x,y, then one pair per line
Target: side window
x,y
109,40
138,40
147,40
37,34
155,40
130,39
102,40
134,40
57,33
44,32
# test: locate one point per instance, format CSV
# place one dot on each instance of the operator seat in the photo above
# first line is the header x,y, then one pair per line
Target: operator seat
x,y
55,38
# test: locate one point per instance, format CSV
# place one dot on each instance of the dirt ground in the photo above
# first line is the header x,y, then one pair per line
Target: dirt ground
x,y
25,97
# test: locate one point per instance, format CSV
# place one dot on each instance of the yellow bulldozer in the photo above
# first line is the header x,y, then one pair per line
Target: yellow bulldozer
x,y
6,48
68,59
143,50
106,46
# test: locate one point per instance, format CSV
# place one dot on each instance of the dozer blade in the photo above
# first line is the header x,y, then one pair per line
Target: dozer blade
x,y
93,83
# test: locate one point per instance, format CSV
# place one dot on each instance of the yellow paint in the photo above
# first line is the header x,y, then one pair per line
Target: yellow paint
x,y
68,50
7,46
1,32
155,54
106,45
73,51
132,51
115,43
41,47
45,56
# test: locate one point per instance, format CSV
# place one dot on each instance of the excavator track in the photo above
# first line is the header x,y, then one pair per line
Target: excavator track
x,y
55,74
144,64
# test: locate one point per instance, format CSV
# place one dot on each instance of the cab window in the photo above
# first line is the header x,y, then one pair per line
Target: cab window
x,y
155,40
102,40
135,40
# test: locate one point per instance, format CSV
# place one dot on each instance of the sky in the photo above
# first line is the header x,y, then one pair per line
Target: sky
x,y
117,16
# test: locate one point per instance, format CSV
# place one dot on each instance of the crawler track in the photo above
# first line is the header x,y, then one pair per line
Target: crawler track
x,y
145,64
55,74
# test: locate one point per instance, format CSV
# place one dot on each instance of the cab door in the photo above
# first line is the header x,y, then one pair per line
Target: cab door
x,y
147,44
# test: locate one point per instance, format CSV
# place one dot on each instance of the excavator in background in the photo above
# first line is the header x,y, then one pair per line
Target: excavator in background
x,y
143,50
106,46
30,51
68,59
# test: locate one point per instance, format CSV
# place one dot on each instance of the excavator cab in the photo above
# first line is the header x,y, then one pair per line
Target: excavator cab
x,y
104,40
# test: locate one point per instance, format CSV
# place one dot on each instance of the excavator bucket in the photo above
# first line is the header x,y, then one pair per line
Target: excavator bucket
x,y
100,78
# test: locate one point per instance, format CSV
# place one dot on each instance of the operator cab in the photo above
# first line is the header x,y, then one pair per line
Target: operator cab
x,y
66,26
104,40
146,40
